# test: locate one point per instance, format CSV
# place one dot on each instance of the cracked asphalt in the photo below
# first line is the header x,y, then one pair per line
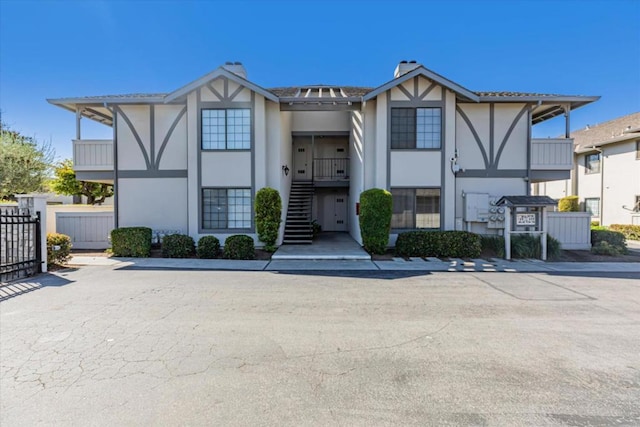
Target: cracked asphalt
x,y
107,346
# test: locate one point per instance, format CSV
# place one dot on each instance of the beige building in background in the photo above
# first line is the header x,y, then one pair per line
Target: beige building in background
x,y
192,160
606,175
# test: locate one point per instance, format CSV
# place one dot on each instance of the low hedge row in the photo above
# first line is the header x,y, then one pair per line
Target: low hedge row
x,y
631,232
443,244
131,242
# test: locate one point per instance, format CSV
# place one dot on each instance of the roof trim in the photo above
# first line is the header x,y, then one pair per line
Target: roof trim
x,y
219,72
544,98
422,71
627,137
101,100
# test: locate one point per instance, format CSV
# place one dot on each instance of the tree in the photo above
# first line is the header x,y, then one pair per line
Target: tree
x,y
25,163
65,182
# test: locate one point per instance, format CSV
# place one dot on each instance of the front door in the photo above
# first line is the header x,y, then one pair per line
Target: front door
x,y
302,160
334,212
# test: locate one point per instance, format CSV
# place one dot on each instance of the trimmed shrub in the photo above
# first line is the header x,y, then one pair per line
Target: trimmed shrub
x,y
268,207
208,247
446,244
605,248
631,232
376,208
613,238
568,204
239,246
595,224
62,252
131,241
178,246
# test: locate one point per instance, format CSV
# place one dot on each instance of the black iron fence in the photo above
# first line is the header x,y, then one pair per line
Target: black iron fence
x,y
331,169
19,244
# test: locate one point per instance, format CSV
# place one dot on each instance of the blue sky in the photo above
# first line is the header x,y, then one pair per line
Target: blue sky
x,y
52,49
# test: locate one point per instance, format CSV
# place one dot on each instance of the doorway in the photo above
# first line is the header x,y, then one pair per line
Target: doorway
x,y
302,159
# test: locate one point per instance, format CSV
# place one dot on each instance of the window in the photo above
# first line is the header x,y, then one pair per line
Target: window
x,y
415,208
228,129
416,128
592,205
226,208
592,163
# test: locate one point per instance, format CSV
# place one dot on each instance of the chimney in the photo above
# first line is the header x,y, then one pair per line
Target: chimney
x,y
236,68
404,67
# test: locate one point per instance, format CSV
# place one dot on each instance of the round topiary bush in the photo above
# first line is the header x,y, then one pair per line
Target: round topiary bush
x,y
58,248
239,246
376,208
178,246
568,204
208,247
268,207
131,241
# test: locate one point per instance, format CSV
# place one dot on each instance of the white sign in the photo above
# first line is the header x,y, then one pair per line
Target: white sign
x,y
526,219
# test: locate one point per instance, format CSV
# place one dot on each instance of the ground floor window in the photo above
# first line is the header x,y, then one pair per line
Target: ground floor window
x,y
415,208
592,205
226,208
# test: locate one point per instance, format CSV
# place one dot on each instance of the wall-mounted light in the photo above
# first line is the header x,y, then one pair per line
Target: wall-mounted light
x,y
285,169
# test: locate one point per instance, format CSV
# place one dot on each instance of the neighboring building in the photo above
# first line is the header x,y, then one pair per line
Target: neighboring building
x,y
192,160
606,174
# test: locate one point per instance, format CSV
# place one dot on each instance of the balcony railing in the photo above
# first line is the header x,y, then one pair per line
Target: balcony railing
x,y
552,154
331,169
93,155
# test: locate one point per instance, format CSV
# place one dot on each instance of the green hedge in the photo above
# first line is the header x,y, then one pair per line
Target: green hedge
x,y
239,246
376,208
444,244
268,207
131,241
612,238
208,247
631,232
178,246
569,204
63,253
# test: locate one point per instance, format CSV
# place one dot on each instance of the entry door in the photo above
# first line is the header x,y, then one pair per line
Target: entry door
x,y
302,161
335,212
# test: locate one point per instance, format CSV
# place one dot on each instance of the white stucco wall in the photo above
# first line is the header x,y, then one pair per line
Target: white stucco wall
x,y
130,156
174,155
356,172
226,168
411,168
317,121
469,154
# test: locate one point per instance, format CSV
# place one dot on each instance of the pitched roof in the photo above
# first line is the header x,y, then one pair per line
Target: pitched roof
x,y
527,201
616,130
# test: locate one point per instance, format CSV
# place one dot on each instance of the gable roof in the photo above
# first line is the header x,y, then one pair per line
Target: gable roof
x,y
422,71
615,130
219,72
526,201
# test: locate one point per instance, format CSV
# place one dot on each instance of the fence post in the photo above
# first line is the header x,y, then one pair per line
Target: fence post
x,y
37,204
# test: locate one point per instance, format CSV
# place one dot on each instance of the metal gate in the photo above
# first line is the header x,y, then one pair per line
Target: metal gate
x,y
19,244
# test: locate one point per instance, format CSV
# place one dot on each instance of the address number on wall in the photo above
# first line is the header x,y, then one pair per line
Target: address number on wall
x,y
526,219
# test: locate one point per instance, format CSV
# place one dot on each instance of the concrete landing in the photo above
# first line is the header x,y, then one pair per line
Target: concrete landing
x,y
326,246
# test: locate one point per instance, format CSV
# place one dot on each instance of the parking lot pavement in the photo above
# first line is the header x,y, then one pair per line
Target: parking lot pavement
x,y
107,345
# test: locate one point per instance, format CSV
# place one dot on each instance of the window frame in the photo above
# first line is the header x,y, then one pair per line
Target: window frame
x,y
586,208
226,110
587,169
415,132
226,230
396,230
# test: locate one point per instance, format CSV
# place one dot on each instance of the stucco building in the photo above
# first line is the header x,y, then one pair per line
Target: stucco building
x,y
191,160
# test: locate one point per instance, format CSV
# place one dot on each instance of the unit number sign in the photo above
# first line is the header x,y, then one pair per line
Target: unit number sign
x,y
526,219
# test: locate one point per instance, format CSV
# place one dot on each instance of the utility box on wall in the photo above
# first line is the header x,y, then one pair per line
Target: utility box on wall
x,y
476,207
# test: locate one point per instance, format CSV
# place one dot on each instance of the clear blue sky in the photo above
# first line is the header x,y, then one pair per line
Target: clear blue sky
x,y
52,49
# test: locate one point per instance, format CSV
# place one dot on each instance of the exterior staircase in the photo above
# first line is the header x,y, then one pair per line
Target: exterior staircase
x,y
298,229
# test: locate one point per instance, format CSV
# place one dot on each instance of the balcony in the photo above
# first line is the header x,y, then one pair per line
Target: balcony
x,y
334,172
93,159
551,159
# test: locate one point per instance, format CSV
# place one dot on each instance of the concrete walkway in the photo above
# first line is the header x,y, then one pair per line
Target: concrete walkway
x,y
326,246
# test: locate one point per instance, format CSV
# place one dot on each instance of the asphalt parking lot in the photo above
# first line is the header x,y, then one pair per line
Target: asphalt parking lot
x,y
117,346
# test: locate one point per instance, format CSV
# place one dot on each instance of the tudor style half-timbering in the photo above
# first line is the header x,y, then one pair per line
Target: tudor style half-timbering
x,y
192,160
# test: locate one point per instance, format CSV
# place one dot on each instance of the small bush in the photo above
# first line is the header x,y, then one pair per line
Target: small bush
x,y
595,224
208,247
131,241
63,253
569,204
178,246
239,246
446,244
598,227
605,248
613,238
268,207
376,208
631,232
553,248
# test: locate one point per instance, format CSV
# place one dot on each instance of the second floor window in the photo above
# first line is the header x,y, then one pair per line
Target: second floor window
x,y
592,163
416,128
228,129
